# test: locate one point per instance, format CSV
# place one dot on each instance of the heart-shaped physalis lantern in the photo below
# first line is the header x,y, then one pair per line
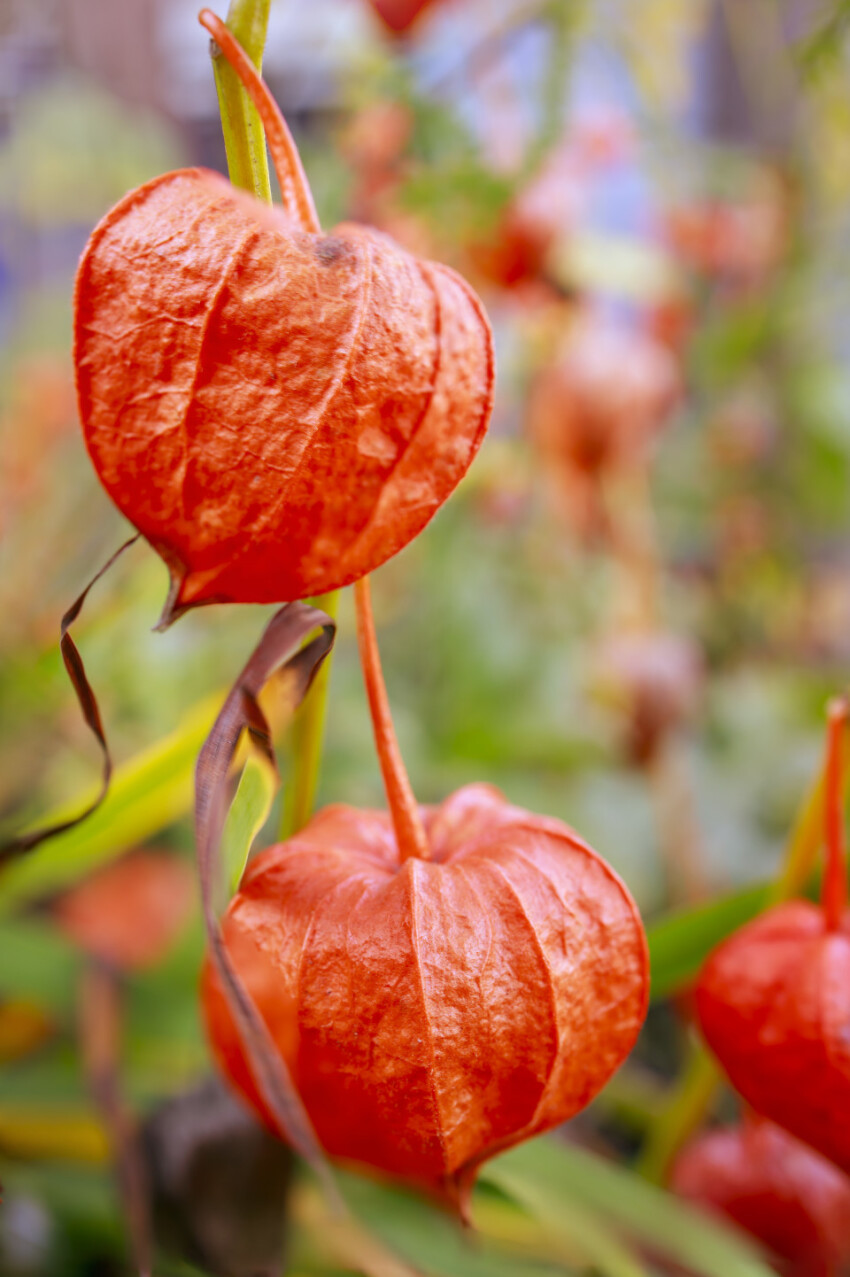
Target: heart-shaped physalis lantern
x,y
774,999
277,411
441,983
775,1188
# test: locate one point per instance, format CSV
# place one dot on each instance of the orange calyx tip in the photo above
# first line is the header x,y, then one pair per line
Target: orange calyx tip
x,y
295,190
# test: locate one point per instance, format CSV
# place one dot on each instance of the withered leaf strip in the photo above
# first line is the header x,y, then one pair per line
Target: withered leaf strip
x,y
278,411
91,713
281,654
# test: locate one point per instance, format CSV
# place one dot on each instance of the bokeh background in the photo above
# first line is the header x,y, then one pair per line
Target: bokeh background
x,y
631,613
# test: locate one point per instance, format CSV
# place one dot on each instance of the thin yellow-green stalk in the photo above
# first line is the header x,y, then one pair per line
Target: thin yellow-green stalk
x,y
244,141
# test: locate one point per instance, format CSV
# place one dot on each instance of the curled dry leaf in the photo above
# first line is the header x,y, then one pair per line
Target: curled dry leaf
x,y
434,1012
289,657
87,701
774,999
785,1194
276,410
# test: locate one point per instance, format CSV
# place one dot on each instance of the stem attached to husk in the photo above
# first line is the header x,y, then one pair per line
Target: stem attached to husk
x,y
409,830
834,892
295,193
244,140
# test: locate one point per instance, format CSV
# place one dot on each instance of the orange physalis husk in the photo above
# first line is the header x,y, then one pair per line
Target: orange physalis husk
x,y
276,410
441,983
775,1188
130,912
399,15
595,411
774,999
741,244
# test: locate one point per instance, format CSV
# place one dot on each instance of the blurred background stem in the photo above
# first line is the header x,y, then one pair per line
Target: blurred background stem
x,y
248,167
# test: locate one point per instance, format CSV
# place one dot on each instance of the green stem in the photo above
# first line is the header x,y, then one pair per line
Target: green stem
x,y
308,732
684,1112
244,140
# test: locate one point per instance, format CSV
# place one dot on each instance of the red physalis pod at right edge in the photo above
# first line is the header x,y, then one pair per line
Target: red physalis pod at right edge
x,y
775,1188
774,999
277,410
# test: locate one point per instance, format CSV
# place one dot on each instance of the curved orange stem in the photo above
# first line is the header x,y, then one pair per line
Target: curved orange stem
x,y
294,188
834,892
409,830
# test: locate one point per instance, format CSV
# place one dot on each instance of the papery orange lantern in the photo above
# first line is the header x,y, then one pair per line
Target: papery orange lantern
x,y
545,211
604,396
774,999
127,914
774,1187
277,410
596,409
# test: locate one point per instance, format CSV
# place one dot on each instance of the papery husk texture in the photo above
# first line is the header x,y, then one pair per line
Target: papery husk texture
x,y
776,1188
435,1012
774,1006
277,411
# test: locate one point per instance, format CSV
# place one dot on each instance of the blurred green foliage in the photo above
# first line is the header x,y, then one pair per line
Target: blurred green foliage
x,y
491,623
